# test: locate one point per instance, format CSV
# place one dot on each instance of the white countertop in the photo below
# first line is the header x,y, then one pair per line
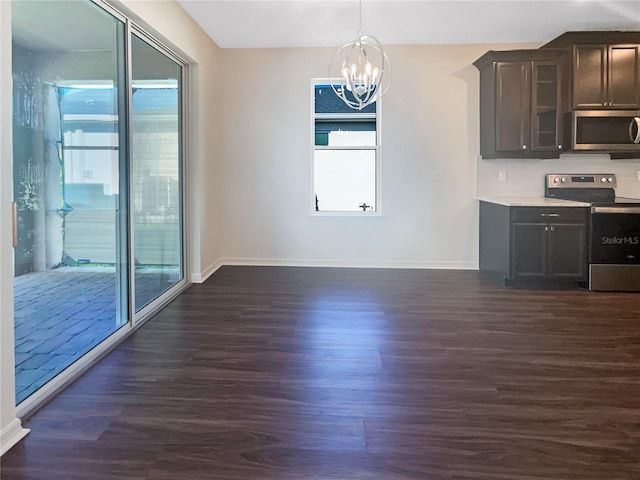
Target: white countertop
x,y
532,202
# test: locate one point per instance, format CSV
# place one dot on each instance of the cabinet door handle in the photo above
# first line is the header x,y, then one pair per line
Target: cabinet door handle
x,y
524,147
553,229
549,214
634,122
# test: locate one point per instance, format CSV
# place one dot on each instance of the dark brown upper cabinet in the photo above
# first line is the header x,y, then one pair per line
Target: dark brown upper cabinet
x,y
605,76
520,103
605,69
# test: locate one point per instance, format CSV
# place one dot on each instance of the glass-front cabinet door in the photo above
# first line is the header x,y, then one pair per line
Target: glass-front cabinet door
x,y
545,106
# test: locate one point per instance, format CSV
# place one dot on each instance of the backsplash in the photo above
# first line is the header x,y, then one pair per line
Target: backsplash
x,y
525,177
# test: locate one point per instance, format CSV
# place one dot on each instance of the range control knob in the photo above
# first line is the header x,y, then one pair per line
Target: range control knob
x,y
556,180
563,180
603,180
610,180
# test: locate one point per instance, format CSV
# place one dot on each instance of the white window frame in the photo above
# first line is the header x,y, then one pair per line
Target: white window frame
x,y
377,148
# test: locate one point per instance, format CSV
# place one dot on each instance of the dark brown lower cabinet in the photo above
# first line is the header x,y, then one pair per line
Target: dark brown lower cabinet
x,y
529,247
548,251
534,244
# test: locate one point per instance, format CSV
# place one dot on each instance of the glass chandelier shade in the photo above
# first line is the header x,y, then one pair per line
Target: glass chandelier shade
x,y
360,72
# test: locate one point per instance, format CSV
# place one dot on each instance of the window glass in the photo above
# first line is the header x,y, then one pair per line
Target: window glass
x,y
354,133
345,160
345,180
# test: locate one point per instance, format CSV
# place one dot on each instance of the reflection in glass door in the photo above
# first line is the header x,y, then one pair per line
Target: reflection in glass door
x,y
70,273
156,173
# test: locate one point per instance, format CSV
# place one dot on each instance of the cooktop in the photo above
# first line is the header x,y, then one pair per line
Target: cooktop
x,y
595,188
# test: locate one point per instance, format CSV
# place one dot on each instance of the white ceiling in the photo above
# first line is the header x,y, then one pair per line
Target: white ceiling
x,y
312,23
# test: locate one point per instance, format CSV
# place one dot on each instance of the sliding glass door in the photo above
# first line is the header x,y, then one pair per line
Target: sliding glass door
x,y
156,172
68,176
97,170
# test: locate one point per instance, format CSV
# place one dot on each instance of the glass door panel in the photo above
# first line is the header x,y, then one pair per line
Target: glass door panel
x,y
545,105
156,172
70,280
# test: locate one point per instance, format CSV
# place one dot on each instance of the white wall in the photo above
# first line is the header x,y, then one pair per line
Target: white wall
x,y
430,125
429,129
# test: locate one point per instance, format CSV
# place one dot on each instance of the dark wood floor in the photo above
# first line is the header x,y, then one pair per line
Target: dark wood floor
x,y
309,374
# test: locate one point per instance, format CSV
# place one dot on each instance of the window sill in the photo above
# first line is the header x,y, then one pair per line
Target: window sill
x,y
345,214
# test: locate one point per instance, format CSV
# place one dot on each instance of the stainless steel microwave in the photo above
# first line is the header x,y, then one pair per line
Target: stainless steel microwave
x,y
604,130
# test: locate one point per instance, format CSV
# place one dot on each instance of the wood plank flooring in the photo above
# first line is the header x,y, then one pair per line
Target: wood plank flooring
x,y
316,374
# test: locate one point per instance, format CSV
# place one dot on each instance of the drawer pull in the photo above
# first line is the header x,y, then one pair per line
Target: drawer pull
x,y
549,214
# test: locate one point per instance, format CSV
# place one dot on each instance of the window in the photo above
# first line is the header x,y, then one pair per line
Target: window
x,y
346,154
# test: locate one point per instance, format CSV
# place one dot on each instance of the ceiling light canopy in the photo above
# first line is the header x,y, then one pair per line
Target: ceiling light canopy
x,y
360,71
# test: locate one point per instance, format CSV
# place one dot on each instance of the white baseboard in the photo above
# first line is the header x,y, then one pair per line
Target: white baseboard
x,y
272,262
210,270
11,434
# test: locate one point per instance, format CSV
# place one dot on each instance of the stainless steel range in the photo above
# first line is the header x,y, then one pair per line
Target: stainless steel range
x,y
614,232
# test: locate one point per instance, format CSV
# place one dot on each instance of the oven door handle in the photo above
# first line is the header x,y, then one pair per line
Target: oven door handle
x,y
635,121
623,210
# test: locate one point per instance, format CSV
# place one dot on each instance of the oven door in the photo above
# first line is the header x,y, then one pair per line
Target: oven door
x,y
614,250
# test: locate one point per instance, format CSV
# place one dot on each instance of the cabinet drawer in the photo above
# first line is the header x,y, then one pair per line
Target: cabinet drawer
x,y
549,215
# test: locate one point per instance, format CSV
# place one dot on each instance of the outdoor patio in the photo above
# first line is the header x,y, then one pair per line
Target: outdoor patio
x,y
59,316
62,314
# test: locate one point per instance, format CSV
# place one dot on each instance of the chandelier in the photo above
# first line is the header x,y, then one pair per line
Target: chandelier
x,y
360,71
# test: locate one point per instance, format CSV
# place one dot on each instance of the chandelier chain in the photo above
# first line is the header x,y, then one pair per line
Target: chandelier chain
x,y
360,33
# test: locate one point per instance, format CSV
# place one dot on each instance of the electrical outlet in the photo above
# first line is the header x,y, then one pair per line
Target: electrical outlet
x,y
502,176
639,175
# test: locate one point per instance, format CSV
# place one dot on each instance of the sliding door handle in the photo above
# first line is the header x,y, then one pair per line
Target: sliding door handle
x,y
14,223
